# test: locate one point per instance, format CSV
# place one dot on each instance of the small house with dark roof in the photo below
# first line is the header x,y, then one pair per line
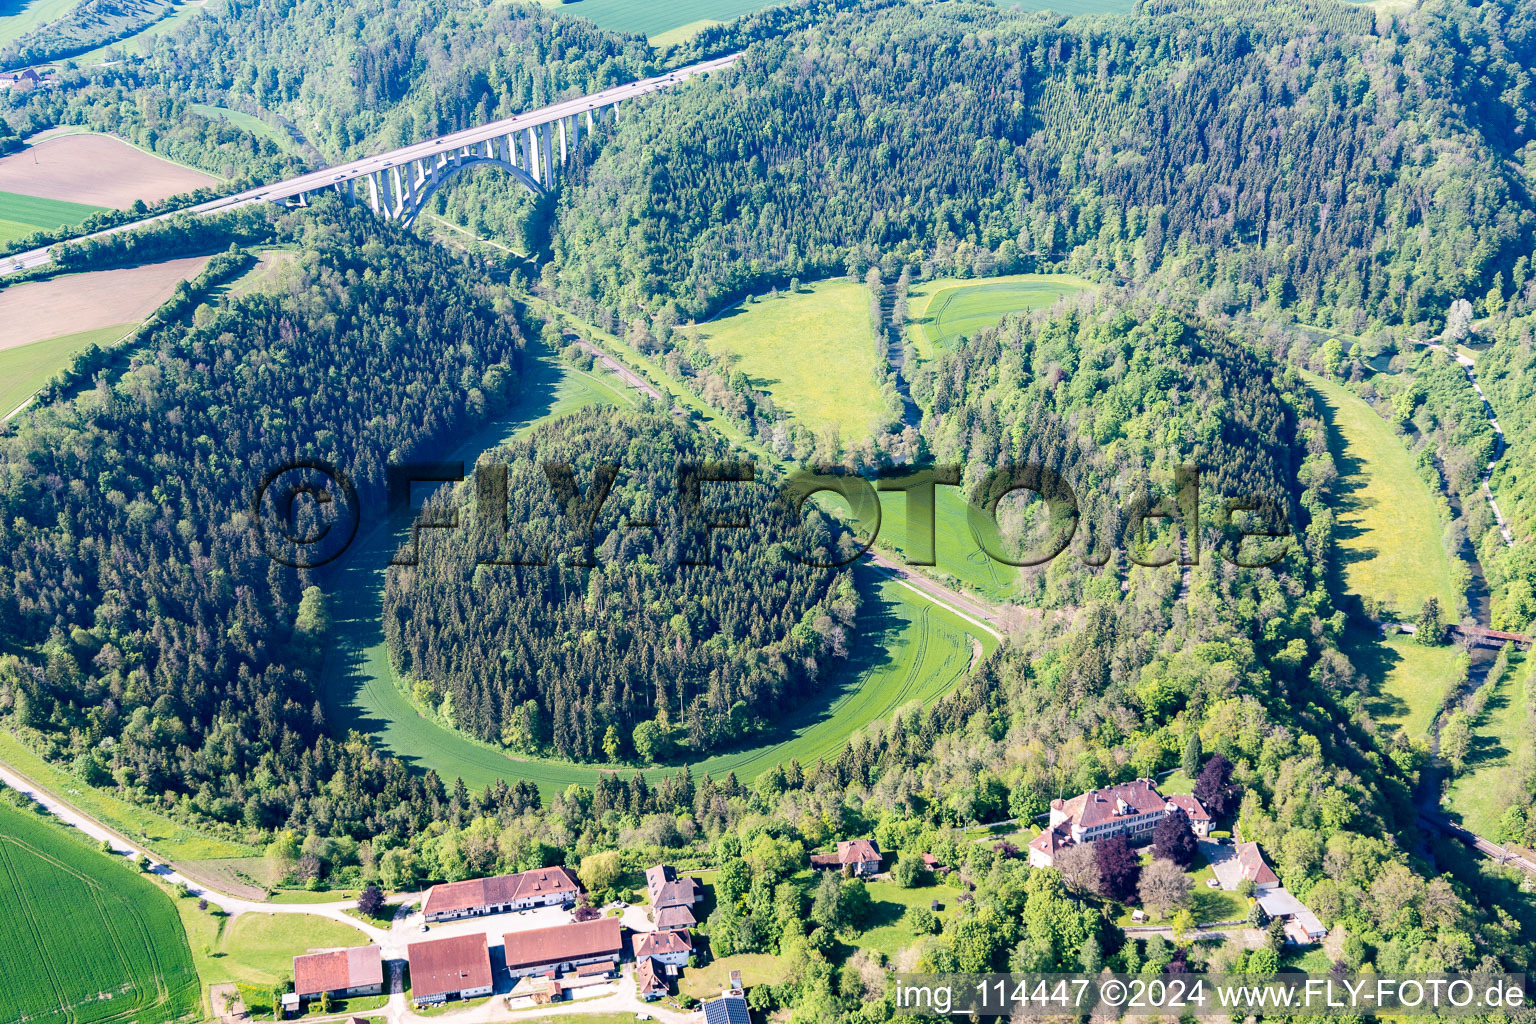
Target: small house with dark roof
x,y
674,919
666,890
1252,866
648,981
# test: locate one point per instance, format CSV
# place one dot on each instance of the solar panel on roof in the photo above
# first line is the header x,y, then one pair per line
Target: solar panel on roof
x,y
727,1010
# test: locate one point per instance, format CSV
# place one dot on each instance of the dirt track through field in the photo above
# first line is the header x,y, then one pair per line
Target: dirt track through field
x,y
40,310
95,169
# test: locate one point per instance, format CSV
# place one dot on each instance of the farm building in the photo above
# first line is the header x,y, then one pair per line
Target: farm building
x,y
565,947
855,856
538,888
667,947
453,968
343,973
542,989
1131,809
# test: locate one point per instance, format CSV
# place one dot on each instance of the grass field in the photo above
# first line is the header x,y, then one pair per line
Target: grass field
x,y
167,838
812,351
22,215
652,18
957,549
1388,530
86,939
909,650
1388,522
1480,795
18,17
945,309
257,949
23,370
250,123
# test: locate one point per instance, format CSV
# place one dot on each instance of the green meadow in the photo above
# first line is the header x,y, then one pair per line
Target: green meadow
x,y
941,311
1480,795
1388,530
21,215
26,368
812,350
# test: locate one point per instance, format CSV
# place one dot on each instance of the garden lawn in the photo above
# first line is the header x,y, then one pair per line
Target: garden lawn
x,y
755,968
941,311
813,351
887,930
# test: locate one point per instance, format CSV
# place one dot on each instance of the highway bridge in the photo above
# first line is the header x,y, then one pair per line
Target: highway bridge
x,y
531,146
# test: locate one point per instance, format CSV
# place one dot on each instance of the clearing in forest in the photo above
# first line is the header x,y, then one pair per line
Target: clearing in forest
x,y
941,311
1388,532
97,170
813,351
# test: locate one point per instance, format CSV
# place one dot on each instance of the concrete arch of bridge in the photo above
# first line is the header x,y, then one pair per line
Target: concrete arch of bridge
x,y
428,186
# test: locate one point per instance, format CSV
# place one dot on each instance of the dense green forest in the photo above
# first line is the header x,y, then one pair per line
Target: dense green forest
x,y
968,140
670,640
148,635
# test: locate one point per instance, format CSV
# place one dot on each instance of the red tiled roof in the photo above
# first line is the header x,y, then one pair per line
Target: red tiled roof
x,y
484,892
1190,806
1252,863
857,851
564,942
449,965
1050,840
646,978
1101,806
337,970
662,943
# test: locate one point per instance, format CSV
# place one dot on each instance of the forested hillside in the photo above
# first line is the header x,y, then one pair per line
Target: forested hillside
x,y
671,640
1115,395
148,635
1310,155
